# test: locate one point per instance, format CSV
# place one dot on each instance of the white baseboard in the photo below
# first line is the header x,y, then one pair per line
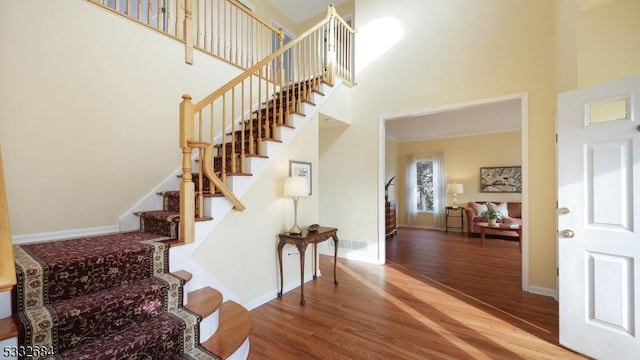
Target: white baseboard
x,y
357,255
426,227
65,234
274,294
543,291
5,304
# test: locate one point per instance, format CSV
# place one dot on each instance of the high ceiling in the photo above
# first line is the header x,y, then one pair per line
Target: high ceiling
x,y
301,10
478,119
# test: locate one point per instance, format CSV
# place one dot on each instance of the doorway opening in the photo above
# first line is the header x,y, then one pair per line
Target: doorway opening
x,y
446,123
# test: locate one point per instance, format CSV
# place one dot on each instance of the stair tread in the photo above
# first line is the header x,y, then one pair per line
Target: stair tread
x,y
8,328
204,301
118,304
183,274
113,345
234,329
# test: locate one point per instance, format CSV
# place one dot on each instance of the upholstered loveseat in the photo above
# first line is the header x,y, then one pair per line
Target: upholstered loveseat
x,y
514,216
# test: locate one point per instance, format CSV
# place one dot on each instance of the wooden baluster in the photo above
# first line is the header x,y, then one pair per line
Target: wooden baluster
x,y
149,11
224,138
259,112
252,149
138,9
281,79
242,134
188,36
187,224
200,193
233,132
212,134
160,16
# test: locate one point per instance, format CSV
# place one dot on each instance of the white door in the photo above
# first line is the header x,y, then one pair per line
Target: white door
x,y
599,219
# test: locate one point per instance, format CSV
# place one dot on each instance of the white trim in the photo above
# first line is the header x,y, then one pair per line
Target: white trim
x,y
65,234
263,299
501,131
543,291
524,135
425,227
5,304
356,255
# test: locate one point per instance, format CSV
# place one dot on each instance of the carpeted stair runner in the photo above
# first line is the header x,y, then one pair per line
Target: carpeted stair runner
x,y
104,297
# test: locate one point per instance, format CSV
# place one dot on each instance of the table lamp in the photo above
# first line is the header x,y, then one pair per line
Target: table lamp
x,y
295,187
455,189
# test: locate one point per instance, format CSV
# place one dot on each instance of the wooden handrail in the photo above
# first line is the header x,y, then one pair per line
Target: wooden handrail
x,y
7,266
208,170
239,115
255,68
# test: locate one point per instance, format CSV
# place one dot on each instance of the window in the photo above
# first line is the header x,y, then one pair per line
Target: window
x,y
425,178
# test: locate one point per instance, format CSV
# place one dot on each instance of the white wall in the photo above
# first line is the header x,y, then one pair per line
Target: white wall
x,y
241,251
89,111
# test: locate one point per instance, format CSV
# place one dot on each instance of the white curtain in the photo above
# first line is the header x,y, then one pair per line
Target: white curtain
x,y
411,189
440,189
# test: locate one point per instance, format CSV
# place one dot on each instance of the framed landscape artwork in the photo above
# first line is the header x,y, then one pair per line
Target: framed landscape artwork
x,y
301,168
506,179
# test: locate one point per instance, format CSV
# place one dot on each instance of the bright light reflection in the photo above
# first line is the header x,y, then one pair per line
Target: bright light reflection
x,y
375,38
475,314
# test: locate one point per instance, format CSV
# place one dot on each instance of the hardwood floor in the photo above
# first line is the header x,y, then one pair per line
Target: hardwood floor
x,y
397,311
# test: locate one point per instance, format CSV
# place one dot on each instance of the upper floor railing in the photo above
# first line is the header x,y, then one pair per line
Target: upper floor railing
x,y
223,28
249,109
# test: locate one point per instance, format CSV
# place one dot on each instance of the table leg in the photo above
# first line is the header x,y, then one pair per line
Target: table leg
x,y
482,229
315,260
335,258
280,246
301,250
520,239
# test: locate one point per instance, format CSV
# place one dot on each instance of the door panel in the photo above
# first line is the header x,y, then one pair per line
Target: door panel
x,y
599,244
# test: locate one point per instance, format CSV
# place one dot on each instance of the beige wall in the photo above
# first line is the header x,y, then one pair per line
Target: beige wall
x,y
241,251
463,156
89,112
608,42
450,52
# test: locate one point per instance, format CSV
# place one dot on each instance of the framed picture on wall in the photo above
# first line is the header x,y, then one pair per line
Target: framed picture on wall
x,y
301,168
507,179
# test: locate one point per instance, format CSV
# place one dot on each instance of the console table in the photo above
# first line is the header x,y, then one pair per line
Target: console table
x,y
301,241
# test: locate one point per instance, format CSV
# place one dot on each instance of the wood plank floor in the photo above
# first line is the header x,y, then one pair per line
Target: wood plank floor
x,y
397,311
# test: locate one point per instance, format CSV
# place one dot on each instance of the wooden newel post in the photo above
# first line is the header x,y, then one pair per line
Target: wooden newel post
x,y
187,187
188,33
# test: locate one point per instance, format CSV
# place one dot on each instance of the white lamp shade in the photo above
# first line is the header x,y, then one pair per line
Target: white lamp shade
x,y
296,186
455,188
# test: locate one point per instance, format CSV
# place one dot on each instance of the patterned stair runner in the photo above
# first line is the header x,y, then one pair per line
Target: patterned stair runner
x,y
104,297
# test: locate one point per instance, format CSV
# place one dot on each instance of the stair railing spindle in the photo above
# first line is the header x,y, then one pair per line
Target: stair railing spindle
x,y
242,134
233,131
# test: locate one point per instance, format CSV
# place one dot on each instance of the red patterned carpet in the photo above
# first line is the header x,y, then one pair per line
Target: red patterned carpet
x,y
103,297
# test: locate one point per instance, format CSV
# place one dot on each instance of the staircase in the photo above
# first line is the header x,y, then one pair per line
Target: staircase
x,y
114,295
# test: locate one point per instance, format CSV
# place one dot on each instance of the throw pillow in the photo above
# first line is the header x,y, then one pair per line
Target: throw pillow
x,y
500,208
480,209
